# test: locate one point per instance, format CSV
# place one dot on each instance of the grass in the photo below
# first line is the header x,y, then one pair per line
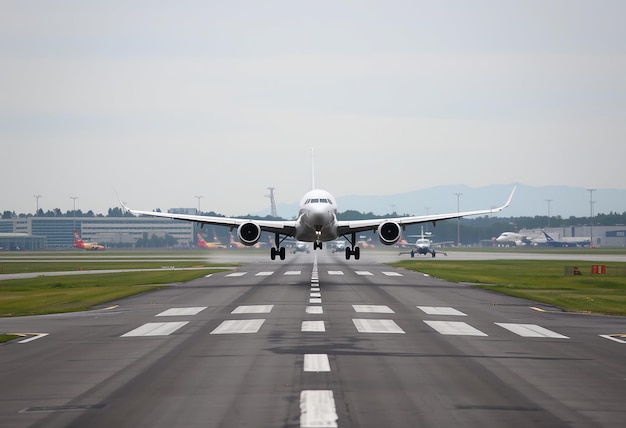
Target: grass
x,y
7,337
539,280
45,295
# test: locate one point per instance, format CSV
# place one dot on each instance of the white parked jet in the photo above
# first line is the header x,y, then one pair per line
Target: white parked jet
x,y
317,223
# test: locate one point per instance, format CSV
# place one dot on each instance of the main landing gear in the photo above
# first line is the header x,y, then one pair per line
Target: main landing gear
x,y
354,250
277,250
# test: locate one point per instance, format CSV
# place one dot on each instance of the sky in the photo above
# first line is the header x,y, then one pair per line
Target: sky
x,y
164,101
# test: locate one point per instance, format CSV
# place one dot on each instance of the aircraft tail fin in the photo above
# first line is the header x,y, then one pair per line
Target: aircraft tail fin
x,y
313,169
548,237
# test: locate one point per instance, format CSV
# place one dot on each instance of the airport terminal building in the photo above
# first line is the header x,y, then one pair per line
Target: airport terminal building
x,y
37,233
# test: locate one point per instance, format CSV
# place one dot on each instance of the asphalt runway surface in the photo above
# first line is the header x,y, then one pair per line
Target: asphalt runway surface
x,y
313,341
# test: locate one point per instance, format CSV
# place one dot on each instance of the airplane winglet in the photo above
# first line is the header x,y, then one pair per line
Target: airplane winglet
x,y
120,201
508,201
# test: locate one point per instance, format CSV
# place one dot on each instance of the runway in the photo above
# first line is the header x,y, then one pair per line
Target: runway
x,y
315,341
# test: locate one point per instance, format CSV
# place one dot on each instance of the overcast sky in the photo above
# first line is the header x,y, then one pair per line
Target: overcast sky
x,y
165,101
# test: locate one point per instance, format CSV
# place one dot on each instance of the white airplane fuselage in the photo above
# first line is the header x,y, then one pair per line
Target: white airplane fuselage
x,y
317,217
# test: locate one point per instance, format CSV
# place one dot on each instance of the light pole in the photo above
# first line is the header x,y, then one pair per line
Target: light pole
x,y
548,201
74,211
458,220
591,219
37,197
198,197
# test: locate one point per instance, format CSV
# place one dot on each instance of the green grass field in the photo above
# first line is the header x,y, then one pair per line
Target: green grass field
x,y
540,280
54,294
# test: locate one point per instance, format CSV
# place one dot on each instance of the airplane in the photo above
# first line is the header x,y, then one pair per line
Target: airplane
x,y
301,247
423,245
90,246
517,239
209,245
317,223
567,242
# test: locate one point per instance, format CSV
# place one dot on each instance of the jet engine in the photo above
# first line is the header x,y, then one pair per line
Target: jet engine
x,y
249,233
389,232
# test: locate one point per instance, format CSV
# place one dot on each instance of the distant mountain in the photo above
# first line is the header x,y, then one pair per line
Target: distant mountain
x,y
529,201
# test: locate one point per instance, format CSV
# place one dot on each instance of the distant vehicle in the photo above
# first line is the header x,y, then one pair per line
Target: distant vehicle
x,y
423,245
209,245
301,247
89,246
567,242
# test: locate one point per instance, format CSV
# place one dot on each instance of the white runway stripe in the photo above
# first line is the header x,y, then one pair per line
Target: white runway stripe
x,y
530,330
363,273
316,294
315,300
313,326
156,329
376,326
455,328
267,273
392,273
376,309
239,326
441,310
175,312
335,272
316,363
314,310
253,309
293,272
317,409
235,274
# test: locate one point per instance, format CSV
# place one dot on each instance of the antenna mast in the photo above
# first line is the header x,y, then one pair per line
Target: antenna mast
x,y
272,202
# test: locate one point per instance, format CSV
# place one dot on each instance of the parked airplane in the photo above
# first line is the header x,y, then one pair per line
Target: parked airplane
x,y
91,246
423,245
567,242
513,238
317,223
209,245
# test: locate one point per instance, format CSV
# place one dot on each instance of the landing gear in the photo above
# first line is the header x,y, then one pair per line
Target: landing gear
x,y
354,251
280,252
317,245
277,250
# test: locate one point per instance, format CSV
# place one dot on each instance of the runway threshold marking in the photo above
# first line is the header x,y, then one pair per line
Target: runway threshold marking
x,y
313,326
441,310
454,328
253,309
530,330
335,272
316,363
377,326
392,273
317,409
376,309
34,336
315,300
236,274
614,338
267,273
363,273
315,294
293,272
239,326
156,329
174,312
314,310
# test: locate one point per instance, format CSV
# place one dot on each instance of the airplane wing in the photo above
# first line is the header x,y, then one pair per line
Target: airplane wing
x,y
273,226
356,226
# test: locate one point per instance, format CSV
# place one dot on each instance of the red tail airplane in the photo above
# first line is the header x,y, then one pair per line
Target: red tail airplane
x,y
90,246
209,245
